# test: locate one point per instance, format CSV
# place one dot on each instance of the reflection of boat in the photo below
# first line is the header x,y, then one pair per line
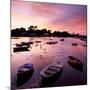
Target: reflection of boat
x,y
51,73
75,63
26,43
24,73
74,44
52,42
22,48
62,40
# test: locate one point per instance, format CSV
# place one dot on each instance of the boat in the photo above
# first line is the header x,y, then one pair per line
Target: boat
x,y
75,63
84,45
24,73
51,39
74,44
83,39
22,48
62,40
51,70
50,74
51,42
38,41
18,45
26,43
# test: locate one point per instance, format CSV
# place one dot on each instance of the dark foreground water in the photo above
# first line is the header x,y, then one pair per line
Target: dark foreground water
x,y
42,54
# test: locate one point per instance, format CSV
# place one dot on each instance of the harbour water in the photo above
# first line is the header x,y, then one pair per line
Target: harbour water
x,y
41,54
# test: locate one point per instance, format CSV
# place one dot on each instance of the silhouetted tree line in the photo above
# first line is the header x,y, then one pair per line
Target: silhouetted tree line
x,y
33,31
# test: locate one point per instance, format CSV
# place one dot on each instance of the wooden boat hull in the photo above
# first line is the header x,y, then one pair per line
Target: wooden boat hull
x,y
24,76
37,41
74,44
48,80
62,40
19,49
75,63
51,70
18,45
26,43
53,42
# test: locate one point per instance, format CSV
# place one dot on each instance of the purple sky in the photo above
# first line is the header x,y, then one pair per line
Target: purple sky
x,y
60,17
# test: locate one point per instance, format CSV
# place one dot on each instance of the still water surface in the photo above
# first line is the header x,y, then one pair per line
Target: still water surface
x,y
42,54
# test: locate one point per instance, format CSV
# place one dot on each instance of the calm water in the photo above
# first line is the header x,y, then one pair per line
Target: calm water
x,y
42,54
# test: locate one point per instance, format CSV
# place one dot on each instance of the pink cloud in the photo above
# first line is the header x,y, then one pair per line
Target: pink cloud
x,y
51,16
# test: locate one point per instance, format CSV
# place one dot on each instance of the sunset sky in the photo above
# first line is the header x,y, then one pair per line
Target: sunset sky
x,y
52,16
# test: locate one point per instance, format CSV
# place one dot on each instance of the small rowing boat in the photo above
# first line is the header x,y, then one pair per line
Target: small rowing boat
x,y
51,70
51,42
21,48
74,44
26,43
62,40
50,74
24,73
75,63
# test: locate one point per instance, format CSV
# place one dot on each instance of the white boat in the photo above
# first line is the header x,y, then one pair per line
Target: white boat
x,y
51,70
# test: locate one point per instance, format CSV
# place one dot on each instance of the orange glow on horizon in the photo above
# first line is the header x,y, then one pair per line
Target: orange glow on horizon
x,y
55,17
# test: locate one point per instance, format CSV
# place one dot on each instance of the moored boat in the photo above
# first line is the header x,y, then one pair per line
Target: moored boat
x,y
22,48
83,39
62,40
84,45
51,70
50,74
26,43
74,44
51,42
18,45
24,73
75,63
38,41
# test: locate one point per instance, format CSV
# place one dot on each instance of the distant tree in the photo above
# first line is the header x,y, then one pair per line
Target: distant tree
x,y
77,34
22,29
38,33
56,33
15,32
44,30
35,27
49,31
34,31
65,34
32,27
17,29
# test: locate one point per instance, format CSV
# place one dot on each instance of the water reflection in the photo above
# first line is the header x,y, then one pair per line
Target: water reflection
x,y
42,54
